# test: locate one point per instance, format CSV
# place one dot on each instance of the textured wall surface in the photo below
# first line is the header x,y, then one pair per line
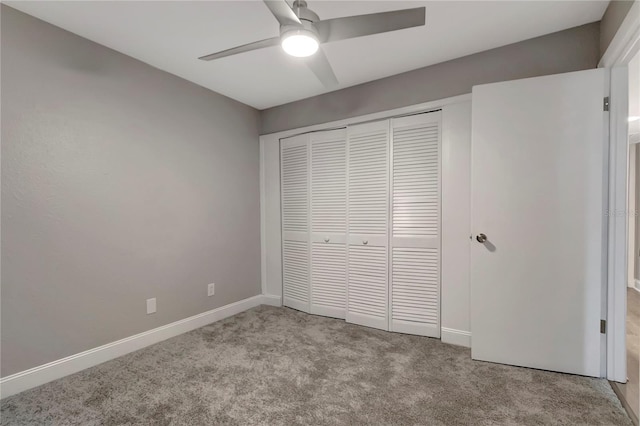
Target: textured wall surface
x,y
120,183
569,50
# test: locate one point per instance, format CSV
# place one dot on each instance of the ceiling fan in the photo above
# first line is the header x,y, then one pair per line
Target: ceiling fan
x,y
302,32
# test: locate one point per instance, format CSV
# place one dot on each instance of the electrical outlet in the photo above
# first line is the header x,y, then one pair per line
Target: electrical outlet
x,y
151,306
211,289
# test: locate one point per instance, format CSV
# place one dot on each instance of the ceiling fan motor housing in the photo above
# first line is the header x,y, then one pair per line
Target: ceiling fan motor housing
x,y
307,18
303,12
306,28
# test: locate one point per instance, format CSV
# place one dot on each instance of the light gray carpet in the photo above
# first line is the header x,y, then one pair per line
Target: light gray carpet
x,y
282,367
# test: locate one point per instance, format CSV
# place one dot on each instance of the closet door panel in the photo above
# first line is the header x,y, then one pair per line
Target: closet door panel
x,y
415,224
367,286
329,182
415,293
329,223
344,193
368,212
294,161
328,279
295,258
368,178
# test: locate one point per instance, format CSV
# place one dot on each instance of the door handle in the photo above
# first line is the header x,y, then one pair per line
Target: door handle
x,y
365,242
481,238
326,239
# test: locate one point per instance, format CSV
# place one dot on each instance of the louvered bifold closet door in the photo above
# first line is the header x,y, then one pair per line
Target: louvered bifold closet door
x,y
294,161
329,223
368,211
415,224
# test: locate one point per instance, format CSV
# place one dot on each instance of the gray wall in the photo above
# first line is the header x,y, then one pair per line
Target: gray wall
x,y
120,182
611,20
569,50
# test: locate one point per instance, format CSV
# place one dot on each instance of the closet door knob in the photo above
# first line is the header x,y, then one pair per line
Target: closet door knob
x,y
326,239
365,242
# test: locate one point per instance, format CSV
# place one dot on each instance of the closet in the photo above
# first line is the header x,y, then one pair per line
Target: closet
x,y
361,223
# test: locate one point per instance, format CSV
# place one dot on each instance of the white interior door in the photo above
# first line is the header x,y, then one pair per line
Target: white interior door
x,y
294,161
368,212
329,223
415,224
538,194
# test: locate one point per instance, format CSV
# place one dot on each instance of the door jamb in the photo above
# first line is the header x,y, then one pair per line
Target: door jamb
x,y
623,47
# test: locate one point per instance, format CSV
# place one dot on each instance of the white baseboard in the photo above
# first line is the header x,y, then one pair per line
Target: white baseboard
x,y
456,337
18,382
271,300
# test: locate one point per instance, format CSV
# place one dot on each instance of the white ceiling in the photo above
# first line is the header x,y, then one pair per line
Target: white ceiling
x,y
170,35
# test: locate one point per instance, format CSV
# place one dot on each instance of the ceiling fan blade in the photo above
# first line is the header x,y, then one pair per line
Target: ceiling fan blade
x,y
283,13
364,25
319,64
274,41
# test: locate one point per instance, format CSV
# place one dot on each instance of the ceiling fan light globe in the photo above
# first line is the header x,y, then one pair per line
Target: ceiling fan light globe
x,y
300,43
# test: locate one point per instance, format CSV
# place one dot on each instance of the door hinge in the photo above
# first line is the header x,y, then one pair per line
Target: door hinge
x,y
606,104
603,326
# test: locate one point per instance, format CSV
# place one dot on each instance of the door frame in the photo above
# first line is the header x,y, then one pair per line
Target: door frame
x,y
270,231
623,47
